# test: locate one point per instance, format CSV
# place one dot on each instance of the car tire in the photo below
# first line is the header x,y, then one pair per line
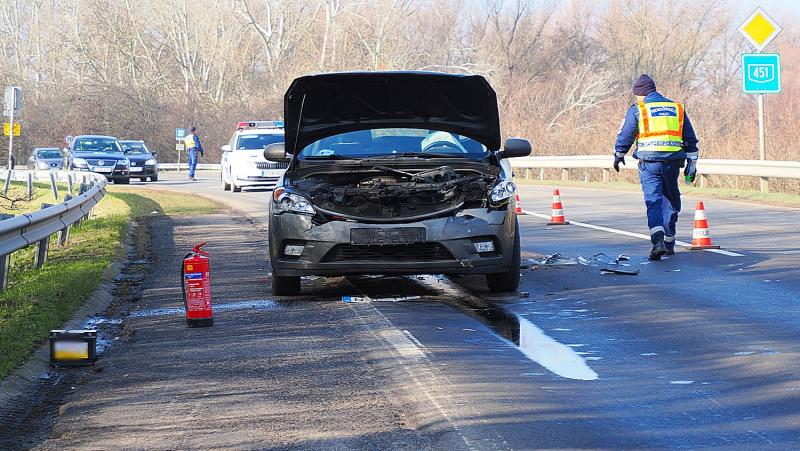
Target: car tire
x,y
285,285
509,280
142,179
154,178
234,188
225,186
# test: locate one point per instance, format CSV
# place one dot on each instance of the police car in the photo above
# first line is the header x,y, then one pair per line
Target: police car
x,y
243,163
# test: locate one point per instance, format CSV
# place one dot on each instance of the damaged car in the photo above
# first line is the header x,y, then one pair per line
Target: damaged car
x,y
393,173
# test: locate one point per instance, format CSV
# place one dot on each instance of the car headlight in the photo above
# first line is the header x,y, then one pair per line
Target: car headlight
x,y
151,161
79,162
503,191
290,202
42,165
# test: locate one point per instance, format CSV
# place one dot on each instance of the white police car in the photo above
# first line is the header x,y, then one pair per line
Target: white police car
x,y
243,163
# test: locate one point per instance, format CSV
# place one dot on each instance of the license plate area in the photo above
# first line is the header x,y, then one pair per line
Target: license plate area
x,y
388,236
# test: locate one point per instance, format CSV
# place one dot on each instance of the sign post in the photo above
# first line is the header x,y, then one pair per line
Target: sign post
x,y
180,133
761,73
12,101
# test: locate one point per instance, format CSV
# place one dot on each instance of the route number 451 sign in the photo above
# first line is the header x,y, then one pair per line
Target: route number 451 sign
x,y
761,73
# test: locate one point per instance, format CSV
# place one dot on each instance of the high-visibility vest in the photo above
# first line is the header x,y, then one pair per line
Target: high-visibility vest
x,y
660,127
188,141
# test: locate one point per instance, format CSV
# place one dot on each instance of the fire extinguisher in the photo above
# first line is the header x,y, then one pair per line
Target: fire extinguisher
x,y
196,285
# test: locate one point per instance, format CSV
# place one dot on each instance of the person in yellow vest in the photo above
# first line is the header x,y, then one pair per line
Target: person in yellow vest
x,y
193,147
665,142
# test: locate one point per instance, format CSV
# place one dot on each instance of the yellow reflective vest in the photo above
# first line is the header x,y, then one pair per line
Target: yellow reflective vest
x,y
188,141
660,127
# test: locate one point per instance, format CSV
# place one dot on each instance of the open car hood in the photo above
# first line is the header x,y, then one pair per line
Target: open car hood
x,y
318,106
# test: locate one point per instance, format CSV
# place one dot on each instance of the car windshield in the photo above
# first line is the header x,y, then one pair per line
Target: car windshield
x,y
407,142
257,141
135,148
48,154
108,145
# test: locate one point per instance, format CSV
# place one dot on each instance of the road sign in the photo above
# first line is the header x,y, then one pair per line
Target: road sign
x,y
179,146
7,129
180,133
12,99
761,73
760,29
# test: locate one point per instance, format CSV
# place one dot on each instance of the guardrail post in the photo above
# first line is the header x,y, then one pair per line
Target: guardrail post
x,y
5,260
30,186
606,174
7,182
541,174
703,180
41,248
63,234
564,174
54,185
764,185
69,182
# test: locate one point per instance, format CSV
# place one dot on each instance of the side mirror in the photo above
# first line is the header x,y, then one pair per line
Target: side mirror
x,y
516,147
276,152
226,148
154,154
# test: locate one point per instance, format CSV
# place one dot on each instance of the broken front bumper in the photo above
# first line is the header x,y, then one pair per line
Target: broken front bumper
x,y
449,246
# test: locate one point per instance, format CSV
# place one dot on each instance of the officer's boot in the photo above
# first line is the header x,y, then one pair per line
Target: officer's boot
x,y
659,248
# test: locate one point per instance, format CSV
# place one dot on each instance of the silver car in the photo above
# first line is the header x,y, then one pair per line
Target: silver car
x,y
44,158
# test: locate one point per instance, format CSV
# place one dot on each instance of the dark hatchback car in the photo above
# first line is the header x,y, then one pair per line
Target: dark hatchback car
x,y
101,154
393,173
143,162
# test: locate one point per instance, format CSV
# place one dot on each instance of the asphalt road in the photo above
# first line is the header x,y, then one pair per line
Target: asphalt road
x,y
698,350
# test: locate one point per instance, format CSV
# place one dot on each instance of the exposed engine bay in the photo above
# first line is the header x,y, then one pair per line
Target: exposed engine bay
x,y
388,194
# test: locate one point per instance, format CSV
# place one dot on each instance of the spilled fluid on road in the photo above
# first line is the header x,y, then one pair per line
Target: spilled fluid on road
x,y
226,307
526,336
535,344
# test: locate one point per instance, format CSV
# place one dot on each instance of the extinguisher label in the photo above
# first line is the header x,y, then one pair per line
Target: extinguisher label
x,y
198,294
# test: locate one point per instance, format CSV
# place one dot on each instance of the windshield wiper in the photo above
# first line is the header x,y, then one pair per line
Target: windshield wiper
x,y
329,157
425,155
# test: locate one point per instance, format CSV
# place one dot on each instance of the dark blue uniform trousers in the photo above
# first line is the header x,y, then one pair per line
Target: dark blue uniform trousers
x,y
662,196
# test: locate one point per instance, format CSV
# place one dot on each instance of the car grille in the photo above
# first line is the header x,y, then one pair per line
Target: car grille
x,y
106,163
400,253
265,165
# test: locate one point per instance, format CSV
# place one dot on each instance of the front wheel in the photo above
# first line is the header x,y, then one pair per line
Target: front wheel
x,y
142,179
154,177
285,285
508,281
225,186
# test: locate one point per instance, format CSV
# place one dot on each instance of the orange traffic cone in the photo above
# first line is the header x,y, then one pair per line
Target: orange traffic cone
x,y
518,208
701,238
557,217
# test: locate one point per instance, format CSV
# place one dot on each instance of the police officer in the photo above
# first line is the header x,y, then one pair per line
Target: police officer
x,y
193,147
665,140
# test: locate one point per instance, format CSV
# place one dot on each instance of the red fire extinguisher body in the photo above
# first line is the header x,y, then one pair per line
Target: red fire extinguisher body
x,y
196,281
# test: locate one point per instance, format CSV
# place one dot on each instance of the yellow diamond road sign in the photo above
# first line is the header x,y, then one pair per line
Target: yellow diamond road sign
x,y
760,29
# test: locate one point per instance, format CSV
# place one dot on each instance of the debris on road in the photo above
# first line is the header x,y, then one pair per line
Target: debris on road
x,y
355,299
609,265
556,260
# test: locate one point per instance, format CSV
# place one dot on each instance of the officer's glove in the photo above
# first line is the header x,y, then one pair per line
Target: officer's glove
x,y
618,158
690,173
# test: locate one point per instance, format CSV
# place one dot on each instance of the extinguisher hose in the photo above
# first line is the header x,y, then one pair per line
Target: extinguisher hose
x,y
183,281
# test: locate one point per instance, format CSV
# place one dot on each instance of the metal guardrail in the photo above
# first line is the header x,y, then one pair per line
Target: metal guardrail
x,y
183,166
17,232
749,168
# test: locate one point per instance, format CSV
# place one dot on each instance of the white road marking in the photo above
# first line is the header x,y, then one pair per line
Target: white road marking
x,y
630,234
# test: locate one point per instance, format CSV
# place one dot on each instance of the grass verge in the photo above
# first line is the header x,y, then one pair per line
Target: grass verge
x,y
42,193
40,300
781,199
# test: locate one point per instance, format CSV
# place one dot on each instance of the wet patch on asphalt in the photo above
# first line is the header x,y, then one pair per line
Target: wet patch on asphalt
x,y
529,339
